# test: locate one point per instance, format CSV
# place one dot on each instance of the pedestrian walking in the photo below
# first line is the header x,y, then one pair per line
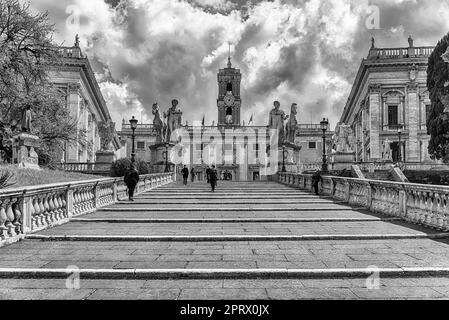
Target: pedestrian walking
x,y
208,174
131,180
213,177
192,175
185,174
316,179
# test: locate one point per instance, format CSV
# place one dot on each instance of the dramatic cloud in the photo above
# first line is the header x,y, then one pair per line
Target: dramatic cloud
x,y
308,52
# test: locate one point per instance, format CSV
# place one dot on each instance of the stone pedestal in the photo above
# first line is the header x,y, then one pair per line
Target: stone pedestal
x,y
160,155
24,153
292,159
104,160
343,160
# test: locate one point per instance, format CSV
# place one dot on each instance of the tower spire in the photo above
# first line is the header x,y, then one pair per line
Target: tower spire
x,y
229,57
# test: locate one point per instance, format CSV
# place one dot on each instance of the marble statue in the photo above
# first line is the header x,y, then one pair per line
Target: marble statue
x,y
387,150
106,132
158,124
292,124
277,118
26,120
174,119
344,135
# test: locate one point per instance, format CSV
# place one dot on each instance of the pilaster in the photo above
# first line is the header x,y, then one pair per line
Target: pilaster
x,y
374,107
413,122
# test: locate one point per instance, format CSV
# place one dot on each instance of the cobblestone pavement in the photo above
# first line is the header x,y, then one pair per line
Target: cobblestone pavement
x,y
329,236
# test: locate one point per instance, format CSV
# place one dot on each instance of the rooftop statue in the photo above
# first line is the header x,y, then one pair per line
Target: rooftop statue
x,y
276,122
174,119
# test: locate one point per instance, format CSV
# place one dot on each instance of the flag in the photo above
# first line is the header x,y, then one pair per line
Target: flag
x,y
204,119
251,120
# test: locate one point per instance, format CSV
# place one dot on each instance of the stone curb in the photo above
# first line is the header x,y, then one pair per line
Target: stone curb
x,y
236,220
234,238
178,274
225,209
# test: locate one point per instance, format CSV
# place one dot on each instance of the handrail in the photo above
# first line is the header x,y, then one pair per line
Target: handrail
x,y
30,209
421,204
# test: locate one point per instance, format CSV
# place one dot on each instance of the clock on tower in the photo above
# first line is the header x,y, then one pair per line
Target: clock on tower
x,y
229,101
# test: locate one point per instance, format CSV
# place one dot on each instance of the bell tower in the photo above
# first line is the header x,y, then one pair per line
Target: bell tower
x,y
229,101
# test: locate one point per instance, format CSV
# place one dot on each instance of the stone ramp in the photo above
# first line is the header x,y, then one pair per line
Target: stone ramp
x,y
307,247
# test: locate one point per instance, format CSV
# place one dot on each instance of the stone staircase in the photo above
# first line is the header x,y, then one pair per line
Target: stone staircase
x,y
384,175
245,241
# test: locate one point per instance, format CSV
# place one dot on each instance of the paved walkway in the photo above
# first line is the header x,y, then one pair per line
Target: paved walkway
x,y
246,241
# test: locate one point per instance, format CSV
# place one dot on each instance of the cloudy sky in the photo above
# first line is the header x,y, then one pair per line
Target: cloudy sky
x,y
146,51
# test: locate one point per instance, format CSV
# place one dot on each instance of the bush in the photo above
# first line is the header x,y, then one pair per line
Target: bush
x,y
7,179
437,83
119,167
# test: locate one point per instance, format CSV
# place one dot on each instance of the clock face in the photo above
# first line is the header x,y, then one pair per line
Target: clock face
x,y
229,100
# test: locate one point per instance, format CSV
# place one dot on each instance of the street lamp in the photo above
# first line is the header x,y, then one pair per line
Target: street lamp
x,y
167,169
283,158
324,125
400,143
133,123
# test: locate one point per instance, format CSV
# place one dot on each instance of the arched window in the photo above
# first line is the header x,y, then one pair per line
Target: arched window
x,y
229,87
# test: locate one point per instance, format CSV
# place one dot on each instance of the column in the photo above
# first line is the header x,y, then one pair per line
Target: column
x,y
413,122
74,107
374,110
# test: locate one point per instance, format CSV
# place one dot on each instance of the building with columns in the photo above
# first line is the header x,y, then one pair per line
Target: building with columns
x,y
388,105
76,81
239,150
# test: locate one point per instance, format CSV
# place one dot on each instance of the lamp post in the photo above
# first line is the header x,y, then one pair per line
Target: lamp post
x,y
133,123
283,158
400,143
167,169
324,124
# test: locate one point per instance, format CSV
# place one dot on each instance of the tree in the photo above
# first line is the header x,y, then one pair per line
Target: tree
x,y
121,166
26,51
438,85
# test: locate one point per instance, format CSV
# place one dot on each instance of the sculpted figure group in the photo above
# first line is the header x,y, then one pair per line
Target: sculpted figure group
x,y
287,132
174,121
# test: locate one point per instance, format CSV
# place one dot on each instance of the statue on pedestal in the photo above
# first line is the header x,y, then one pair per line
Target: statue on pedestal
x,y
292,125
277,118
106,132
174,119
26,120
158,124
343,134
387,150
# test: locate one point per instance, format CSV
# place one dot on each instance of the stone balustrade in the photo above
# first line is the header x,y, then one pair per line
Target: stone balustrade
x,y
35,208
425,205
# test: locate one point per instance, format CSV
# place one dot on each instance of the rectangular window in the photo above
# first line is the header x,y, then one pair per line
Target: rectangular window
x,y
141,145
393,116
312,145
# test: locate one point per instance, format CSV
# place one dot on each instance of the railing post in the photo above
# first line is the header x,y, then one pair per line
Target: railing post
x,y
69,202
25,208
97,196
115,191
402,203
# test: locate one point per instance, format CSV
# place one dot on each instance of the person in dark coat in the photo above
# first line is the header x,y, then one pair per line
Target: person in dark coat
x,y
185,174
213,177
208,174
192,175
131,179
316,179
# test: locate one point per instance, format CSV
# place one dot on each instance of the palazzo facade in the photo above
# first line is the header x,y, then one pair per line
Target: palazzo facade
x,y
389,104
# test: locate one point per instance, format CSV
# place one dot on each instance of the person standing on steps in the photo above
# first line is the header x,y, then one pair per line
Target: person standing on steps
x,y
213,177
131,179
208,174
192,174
316,179
185,174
